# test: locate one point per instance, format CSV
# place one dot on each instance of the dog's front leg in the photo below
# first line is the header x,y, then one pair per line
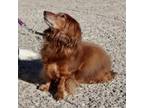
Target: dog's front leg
x,y
47,81
61,92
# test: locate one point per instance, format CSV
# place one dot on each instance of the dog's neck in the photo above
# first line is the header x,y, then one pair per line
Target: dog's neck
x,y
59,39
59,45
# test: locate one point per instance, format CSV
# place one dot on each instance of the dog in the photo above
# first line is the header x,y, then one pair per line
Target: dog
x,y
69,60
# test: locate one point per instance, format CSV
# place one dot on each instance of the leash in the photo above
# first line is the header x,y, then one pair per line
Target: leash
x,y
22,24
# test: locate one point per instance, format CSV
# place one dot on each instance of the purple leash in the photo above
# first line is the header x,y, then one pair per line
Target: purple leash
x,y
22,24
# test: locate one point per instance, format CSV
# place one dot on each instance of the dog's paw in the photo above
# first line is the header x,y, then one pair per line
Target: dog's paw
x,y
43,87
59,96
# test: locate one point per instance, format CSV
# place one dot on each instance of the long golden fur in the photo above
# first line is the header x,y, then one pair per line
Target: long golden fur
x,y
69,60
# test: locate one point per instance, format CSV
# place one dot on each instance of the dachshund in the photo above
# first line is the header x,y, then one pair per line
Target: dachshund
x,y
69,60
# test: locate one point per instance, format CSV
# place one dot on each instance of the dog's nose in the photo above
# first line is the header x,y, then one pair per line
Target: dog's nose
x,y
44,13
48,13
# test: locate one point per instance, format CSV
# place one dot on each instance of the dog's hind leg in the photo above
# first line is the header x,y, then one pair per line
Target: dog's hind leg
x,y
103,76
97,77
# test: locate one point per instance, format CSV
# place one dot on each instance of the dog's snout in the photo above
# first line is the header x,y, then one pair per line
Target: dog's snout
x,y
48,13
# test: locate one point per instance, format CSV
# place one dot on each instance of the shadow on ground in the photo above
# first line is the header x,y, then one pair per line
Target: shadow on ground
x,y
29,71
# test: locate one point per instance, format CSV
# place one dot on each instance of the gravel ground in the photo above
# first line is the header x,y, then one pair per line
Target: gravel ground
x,y
102,22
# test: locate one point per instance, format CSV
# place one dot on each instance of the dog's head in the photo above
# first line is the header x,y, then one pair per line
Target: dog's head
x,y
67,28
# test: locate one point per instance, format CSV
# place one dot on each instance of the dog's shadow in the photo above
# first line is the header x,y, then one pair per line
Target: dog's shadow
x,y
29,71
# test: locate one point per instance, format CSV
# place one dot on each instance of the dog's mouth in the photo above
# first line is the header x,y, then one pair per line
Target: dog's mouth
x,y
48,22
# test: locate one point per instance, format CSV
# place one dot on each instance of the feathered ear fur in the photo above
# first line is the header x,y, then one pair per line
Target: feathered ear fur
x,y
72,29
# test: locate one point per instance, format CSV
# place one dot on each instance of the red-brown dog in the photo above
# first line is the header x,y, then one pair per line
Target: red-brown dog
x,y
69,60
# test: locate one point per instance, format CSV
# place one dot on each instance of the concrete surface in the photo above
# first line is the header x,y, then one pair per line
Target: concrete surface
x,y
102,22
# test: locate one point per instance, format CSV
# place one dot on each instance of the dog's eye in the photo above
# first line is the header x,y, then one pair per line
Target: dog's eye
x,y
63,16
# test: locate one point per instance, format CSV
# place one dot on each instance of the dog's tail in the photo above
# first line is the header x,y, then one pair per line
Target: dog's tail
x,y
25,54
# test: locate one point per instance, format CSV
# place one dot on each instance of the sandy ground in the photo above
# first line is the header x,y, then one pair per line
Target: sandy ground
x,y
102,22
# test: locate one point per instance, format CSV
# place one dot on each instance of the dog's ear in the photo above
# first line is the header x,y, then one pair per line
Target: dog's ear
x,y
72,29
72,33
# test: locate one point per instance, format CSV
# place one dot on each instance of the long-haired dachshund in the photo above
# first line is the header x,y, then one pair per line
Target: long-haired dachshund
x,y
69,60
